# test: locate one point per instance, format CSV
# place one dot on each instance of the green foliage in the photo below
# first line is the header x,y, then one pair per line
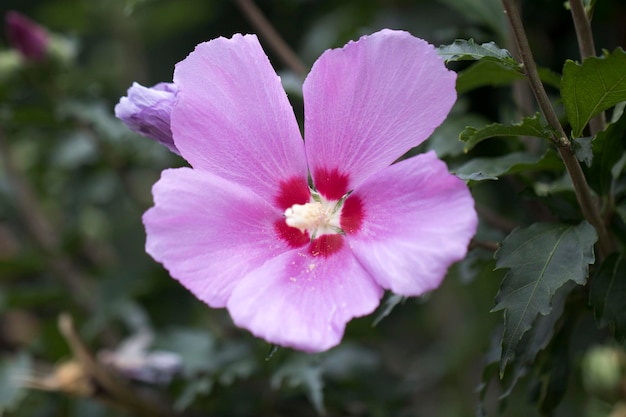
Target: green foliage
x,y
607,149
469,50
607,295
541,259
529,126
597,84
486,73
481,169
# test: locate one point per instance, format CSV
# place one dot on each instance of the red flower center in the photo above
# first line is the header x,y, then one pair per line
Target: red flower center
x,y
318,219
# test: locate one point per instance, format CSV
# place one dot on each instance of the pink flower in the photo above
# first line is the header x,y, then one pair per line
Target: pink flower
x,y
147,111
241,229
26,36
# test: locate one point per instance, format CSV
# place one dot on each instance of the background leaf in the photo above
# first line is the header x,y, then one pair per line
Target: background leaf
x,y
529,126
594,86
481,169
607,295
541,258
607,148
486,72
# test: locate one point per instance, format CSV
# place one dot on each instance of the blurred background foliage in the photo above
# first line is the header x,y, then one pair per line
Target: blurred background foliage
x,y
74,183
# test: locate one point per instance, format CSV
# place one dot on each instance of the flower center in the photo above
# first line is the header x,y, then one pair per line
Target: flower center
x,y
318,217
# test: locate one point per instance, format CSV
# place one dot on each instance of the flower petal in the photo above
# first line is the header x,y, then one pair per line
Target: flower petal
x,y
147,111
209,232
233,118
304,301
369,102
418,220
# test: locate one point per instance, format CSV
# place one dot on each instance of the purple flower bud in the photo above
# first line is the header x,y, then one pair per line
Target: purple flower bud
x,y
147,111
26,36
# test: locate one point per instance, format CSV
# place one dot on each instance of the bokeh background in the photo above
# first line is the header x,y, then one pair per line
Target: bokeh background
x,y
74,182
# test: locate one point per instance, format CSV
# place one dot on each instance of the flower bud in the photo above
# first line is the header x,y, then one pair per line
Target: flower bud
x,y
147,111
27,37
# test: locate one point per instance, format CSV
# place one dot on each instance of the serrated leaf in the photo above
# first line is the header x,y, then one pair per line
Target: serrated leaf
x,y
592,87
540,259
468,50
607,295
481,169
536,339
529,126
607,148
486,73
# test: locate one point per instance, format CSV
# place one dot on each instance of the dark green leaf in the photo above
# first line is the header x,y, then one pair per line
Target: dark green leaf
x,y
550,77
608,148
303,371
481,169
594,86
529,126
486,73
540,259
607,295
445,139
536,339
468,50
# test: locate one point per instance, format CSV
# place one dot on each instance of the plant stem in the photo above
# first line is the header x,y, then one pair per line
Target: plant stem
x,y
271,35
587,49
585,199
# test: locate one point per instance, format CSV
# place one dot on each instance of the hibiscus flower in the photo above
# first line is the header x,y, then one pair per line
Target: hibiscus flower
x,y
297,237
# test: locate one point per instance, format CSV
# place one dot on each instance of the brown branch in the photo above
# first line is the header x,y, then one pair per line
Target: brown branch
x,y
585,199
271,35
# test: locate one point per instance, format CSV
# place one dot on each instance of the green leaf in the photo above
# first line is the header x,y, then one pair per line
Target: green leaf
x,y
390,303
607,295
536,339
468,50
540,259
12,371
592,87
486,73
607,148
481,169
529,126
445,139
303,371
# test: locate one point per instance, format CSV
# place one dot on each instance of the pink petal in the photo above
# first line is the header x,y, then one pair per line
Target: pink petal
x,y
418,220
233,118
304,301
209,232
369,102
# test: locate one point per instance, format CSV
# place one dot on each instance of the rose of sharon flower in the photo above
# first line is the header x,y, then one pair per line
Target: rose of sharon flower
x,y
241,228
147,111
26,36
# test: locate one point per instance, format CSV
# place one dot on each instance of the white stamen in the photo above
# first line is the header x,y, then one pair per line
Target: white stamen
x,y
317,217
